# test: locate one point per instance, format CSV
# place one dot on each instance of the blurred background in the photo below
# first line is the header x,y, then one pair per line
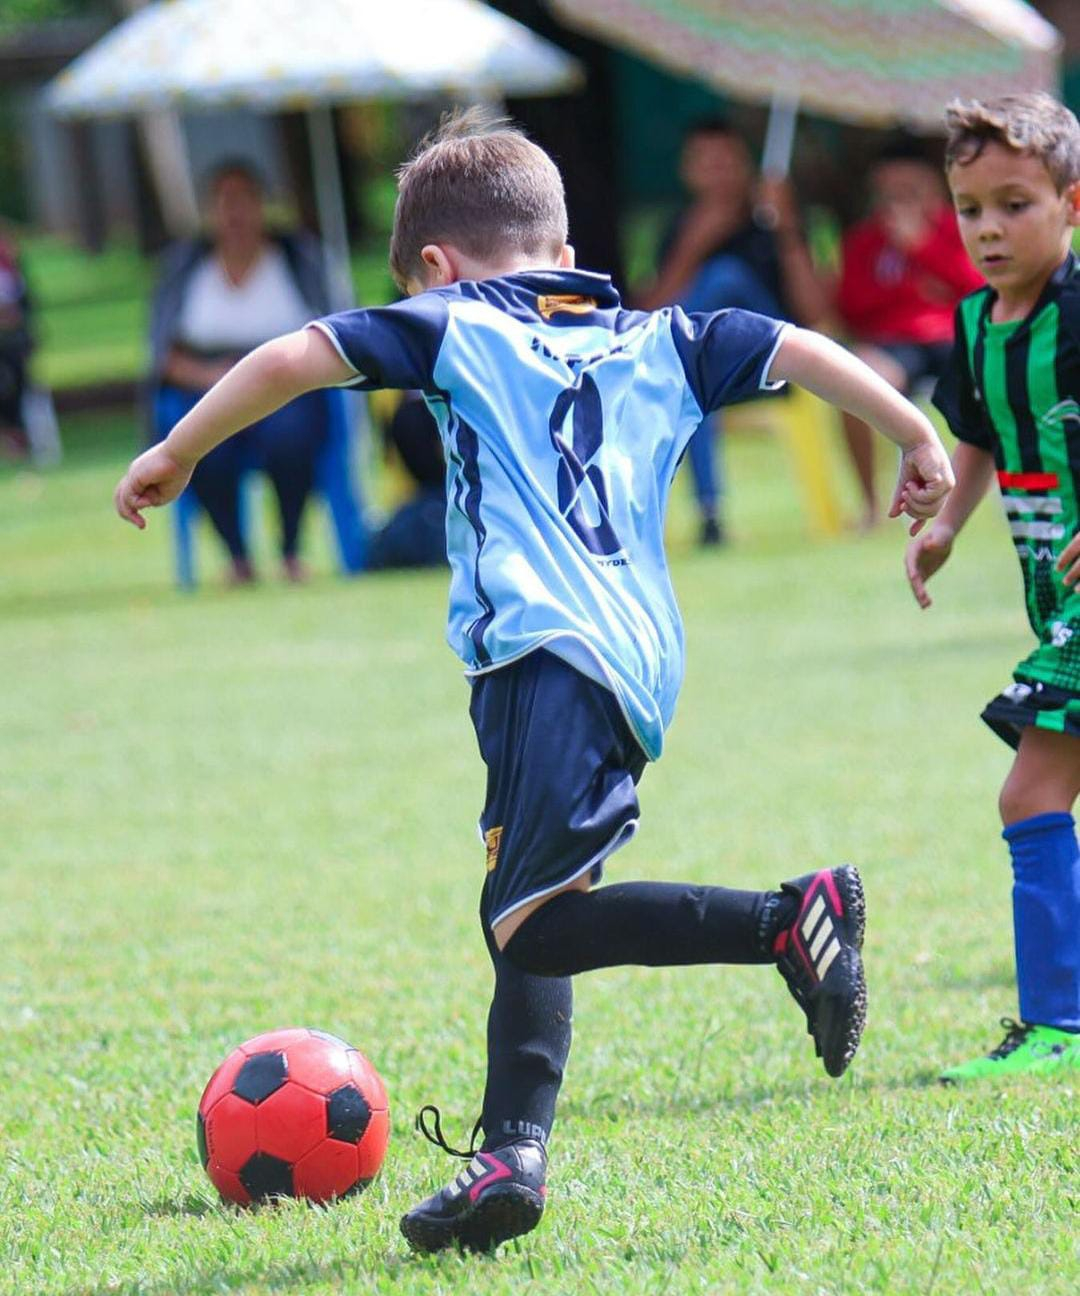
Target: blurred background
x,y
103,166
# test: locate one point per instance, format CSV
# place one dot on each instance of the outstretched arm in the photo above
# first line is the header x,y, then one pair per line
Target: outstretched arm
x,y
829,371
925,555
271,376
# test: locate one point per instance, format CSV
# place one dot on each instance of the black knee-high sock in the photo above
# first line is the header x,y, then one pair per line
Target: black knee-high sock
x,y
528,1040
657,924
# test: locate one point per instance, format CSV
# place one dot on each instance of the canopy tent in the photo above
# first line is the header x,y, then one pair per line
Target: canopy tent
x,y
308,54
869,61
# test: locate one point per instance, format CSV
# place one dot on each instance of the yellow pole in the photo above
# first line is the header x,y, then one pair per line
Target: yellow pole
x,y
806,430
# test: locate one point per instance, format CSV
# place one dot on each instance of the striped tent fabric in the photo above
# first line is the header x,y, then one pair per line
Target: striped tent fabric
x,y
872,61
299,53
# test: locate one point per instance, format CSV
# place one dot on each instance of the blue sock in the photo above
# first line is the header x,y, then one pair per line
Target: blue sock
x,y
1046,918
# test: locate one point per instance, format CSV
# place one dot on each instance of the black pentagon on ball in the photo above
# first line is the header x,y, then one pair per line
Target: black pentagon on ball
x,y
266,1176
200,1135
260,1076
347,1114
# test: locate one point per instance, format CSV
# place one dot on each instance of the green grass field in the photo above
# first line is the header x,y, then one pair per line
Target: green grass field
x,y
226,812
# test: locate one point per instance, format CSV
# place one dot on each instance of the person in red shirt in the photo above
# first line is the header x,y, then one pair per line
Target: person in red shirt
x,y
903,270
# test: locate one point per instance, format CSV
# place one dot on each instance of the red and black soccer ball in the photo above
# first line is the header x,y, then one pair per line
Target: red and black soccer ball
x,y
293,1113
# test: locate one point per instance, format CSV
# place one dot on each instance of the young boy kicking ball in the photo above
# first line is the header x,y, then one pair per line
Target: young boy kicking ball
x,y
1011,395
563,418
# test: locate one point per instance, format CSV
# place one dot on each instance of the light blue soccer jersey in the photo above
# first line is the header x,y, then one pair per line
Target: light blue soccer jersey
x,y
563,418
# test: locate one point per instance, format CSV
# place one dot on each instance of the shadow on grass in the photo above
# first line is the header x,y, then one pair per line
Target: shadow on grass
x,y
285,1277
190,1204
690,1103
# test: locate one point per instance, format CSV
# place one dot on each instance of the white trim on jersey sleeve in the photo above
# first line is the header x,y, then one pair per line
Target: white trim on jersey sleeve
x,y
328,332
765,384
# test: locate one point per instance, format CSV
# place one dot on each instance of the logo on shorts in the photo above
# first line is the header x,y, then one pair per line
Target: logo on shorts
x,y
572,303
1060,634
492,838
1039,554
1017,692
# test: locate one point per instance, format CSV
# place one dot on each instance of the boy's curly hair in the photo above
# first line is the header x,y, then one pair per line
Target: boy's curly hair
x,y
476,182
1035,124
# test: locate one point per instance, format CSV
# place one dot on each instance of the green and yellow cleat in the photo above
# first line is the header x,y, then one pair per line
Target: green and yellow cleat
x,y
1025,1050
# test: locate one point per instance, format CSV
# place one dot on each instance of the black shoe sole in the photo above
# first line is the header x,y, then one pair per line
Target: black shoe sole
x,y
840,1001
849,884
501,1213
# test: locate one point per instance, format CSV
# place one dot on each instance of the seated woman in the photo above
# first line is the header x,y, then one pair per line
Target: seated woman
x,y
217,299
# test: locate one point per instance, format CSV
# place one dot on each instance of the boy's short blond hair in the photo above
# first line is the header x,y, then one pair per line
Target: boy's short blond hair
x,y
478,183
1036,124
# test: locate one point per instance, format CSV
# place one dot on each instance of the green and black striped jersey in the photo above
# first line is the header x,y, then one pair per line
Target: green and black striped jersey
x,y
1014,389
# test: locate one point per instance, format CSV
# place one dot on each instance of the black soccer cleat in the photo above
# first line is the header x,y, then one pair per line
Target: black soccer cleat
x,y
499,1195
819,958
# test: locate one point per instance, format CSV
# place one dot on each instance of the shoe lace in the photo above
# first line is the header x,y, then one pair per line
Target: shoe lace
x,y
1015,1034
435,1135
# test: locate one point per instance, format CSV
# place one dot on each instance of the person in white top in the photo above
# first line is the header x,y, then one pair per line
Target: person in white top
x,y
218,299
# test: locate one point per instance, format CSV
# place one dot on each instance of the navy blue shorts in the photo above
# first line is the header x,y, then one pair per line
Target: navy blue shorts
x,y
562,768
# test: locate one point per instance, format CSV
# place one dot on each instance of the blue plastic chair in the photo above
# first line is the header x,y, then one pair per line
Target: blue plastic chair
x,y
336,480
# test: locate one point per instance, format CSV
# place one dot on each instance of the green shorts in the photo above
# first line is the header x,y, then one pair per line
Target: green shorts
x,y
1046,688
1029,702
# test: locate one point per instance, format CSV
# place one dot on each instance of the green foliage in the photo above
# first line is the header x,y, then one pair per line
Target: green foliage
x,y
90,312
13,198
225,812
18,13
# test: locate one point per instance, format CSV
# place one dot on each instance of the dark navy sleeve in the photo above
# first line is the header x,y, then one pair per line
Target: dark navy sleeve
x,y
390,346
955,396
725,354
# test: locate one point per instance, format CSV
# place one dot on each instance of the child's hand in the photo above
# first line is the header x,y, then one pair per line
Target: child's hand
x,y
926,477
153,479
925,556
1069,561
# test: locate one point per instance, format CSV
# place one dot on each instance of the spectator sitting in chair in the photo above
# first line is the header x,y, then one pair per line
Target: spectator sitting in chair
x,y
737,243
15,348
217,299
902,272
415,534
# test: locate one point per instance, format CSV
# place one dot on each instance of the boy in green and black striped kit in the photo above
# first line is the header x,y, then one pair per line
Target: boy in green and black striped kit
x,y
1011,395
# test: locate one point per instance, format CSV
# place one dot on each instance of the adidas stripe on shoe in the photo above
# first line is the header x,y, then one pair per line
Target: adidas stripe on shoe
x,y
819,957
499,1195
